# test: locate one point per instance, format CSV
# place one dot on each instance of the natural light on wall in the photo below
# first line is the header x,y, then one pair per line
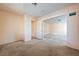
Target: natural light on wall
x,y
59,29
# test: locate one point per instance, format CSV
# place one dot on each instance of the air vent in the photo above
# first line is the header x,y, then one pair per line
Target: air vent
x,y
72,14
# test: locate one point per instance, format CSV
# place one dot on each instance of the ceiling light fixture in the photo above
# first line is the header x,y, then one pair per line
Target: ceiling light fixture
x,y
35,4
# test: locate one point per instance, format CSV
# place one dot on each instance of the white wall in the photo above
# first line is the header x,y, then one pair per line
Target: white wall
x,y
11,27
58,29
47,28
39,33
27,28
73,31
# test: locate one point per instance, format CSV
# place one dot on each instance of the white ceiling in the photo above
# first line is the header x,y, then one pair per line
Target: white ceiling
x,y
37,11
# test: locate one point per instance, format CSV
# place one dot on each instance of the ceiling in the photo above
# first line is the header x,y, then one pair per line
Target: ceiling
x,y
39,10
59,19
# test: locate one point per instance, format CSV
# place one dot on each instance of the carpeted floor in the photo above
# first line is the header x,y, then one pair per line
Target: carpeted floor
x,y
47,47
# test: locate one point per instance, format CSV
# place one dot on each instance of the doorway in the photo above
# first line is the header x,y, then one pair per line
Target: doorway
x,y
55,28
33,27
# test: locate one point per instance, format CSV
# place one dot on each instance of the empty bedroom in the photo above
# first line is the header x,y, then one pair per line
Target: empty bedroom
x,y
39,29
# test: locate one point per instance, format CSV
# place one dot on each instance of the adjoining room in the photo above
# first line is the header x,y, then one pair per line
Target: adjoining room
x,y
56,29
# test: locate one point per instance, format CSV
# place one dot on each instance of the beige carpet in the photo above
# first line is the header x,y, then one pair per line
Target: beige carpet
x,y
47,47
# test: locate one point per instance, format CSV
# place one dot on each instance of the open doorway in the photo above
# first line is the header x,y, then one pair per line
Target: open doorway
x,y
33,28
56,28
